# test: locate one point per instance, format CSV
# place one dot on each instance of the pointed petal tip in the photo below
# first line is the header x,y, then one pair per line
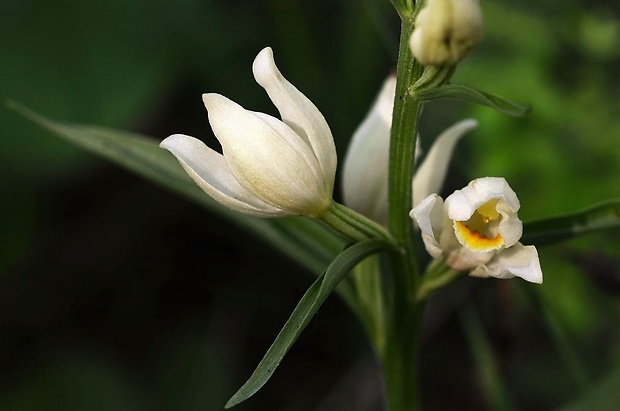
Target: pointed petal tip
x,y
209,99
264,66
431,174
517,261
171,142
466,125
266,52
534,274
471,121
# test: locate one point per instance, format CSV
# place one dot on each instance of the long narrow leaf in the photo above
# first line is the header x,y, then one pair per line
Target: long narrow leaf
x,y
493,382
460,92
303,313
601,216
567,350
603,397
304,240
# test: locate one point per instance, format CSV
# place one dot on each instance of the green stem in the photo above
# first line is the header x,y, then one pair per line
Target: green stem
x,y
400,356
400,361
352,225
402,151
437,276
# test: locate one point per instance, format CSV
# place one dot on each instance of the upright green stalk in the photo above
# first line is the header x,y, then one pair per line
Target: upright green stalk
x,y
405,314
400,360
402,144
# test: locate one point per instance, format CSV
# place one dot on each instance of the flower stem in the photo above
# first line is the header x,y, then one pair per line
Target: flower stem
x,y
402,151
352,225
400,360
437,276
400,356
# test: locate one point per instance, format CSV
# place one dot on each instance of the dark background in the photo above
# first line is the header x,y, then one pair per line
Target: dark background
x,y
115,294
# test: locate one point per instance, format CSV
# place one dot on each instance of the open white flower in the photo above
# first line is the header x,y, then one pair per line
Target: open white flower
x,y
477,229
269,167
445,31
365,172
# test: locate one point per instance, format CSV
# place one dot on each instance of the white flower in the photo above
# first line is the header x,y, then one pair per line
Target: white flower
x,y
445,31
477,229
365,172
269,167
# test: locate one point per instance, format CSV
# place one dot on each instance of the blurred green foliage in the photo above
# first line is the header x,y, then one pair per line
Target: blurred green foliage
x,y
114,295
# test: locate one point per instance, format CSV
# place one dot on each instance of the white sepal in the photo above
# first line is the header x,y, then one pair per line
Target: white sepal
x,y
365,171
516,261
429,215
298,112
211,173
429,177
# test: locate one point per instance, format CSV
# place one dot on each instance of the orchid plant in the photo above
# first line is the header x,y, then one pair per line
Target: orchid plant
x,y
276,176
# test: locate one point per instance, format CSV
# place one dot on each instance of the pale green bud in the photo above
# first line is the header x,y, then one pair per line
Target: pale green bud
x,y
445,31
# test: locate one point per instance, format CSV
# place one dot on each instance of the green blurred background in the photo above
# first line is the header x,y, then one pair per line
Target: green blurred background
x,y
114,294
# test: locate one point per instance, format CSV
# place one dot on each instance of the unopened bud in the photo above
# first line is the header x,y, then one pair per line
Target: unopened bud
x,y
445,31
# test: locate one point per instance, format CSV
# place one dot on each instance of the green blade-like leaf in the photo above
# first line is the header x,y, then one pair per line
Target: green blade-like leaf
x,y
303,313
306,241
601,216
460,92
492,378
603,397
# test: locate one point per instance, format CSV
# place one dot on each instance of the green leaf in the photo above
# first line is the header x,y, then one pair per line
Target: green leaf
x,y
460,92
567,349
604,397
601,216
491,376
303,313
306,241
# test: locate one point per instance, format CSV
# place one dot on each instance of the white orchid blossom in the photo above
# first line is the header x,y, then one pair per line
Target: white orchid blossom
x,y
445,31
365,172
269,167
477,229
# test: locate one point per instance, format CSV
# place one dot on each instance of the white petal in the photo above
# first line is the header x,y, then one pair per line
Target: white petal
x,y
462,204
461,258
210,171
430,175
298,112
429,215
511,227
296,142
365,171
267,157
516,261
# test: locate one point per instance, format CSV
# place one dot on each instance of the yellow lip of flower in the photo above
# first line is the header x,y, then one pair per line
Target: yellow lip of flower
x,y
477,229
476,241
480,233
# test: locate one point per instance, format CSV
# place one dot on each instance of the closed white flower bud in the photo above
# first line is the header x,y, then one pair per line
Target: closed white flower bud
x,y
269,167
445,31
